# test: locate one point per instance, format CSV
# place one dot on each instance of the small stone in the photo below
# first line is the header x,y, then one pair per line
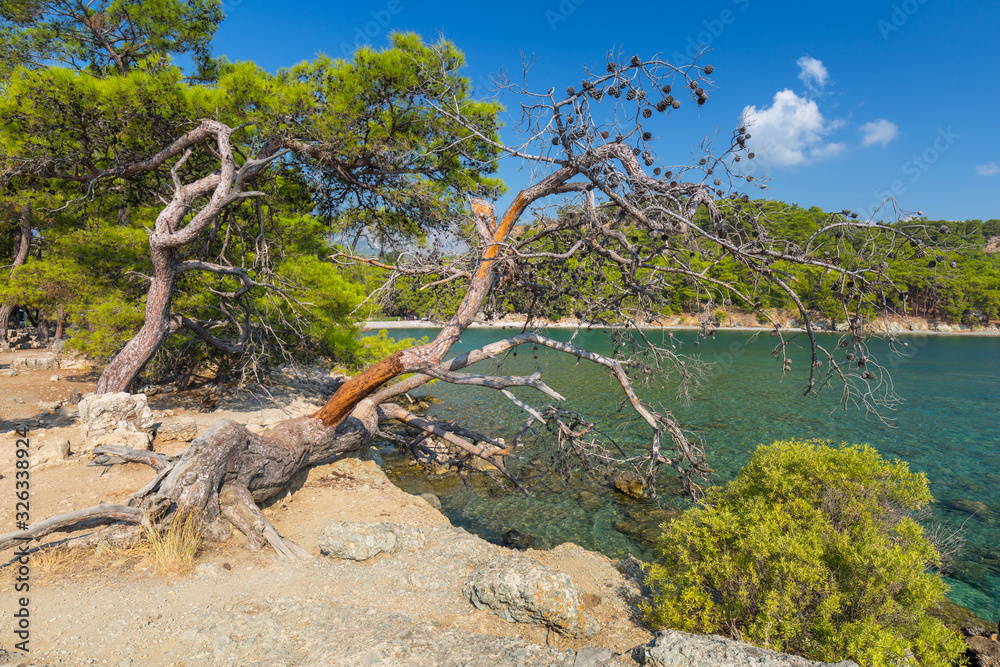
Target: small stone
x,y
119,418
73,397
54,378
208,570
629,483
49,407
431,499
590,501
589,656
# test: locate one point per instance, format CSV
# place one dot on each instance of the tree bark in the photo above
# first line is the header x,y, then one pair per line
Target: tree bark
x,y
20,256
123,371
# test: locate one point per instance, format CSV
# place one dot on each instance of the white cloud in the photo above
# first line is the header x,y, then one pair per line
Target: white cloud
x,y
827,151
988,169
812,72
790,132
880,131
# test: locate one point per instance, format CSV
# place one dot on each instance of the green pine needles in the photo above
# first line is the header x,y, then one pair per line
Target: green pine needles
x,y
810,550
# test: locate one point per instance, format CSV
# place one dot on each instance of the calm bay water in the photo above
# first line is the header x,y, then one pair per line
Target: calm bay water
x,y
948,427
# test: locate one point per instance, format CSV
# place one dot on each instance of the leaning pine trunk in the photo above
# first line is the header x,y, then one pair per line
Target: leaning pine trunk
x,y
123,371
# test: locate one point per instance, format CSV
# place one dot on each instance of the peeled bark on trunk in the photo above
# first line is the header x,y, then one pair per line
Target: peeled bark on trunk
x,y
123,371
20,257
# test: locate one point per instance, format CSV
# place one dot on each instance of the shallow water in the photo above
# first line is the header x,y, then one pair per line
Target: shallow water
x,y
947,427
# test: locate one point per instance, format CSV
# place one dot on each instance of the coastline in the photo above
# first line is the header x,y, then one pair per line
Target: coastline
x,y
885,329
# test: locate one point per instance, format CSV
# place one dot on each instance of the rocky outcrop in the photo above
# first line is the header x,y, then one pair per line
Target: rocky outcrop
x,y
361,541
673,648
116,419
520,589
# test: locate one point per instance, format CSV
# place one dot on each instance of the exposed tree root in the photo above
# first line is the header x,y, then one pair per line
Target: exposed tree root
x,y
71,521
222,477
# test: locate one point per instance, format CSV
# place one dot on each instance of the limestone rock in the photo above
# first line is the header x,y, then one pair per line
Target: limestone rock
x,y
361,541
590,656
673,648
121,418
34,363
520,589
51,451
49,407
130,439
177,429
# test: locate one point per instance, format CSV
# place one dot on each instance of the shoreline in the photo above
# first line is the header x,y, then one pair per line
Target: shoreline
x,y
375,325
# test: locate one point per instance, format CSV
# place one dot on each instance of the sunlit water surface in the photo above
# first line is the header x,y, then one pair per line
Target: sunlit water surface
x,y
947,427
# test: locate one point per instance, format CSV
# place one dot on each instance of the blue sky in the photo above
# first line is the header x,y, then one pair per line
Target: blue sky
x,y
852,101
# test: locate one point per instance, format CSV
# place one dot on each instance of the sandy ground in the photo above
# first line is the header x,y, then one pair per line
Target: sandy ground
x,y
114,607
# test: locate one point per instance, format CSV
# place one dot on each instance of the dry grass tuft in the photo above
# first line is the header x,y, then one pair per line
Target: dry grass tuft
x,y
175,547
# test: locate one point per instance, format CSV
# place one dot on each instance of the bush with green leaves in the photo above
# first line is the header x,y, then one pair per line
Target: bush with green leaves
x,y
811,550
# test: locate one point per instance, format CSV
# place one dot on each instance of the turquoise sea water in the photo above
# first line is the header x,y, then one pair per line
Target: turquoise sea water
x,y
948,426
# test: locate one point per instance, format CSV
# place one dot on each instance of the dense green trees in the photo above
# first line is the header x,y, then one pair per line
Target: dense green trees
x,y
957,281
324,146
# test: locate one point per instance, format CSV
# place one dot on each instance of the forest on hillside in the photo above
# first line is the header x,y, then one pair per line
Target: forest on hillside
x,y
958,281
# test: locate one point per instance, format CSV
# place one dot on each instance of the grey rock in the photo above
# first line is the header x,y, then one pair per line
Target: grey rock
x,y
54,378
673,648
520,589
121,419
8,372
34,363
177,429
49,407
73,397
588,656
361,541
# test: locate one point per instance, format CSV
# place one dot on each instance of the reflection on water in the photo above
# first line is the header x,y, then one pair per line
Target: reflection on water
x,y
946,427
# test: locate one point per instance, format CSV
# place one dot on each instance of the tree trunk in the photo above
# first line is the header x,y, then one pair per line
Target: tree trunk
x,y
42,330
20,256
60,323
123,371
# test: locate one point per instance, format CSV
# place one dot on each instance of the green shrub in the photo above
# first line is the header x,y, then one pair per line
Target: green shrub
x,y
810,550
